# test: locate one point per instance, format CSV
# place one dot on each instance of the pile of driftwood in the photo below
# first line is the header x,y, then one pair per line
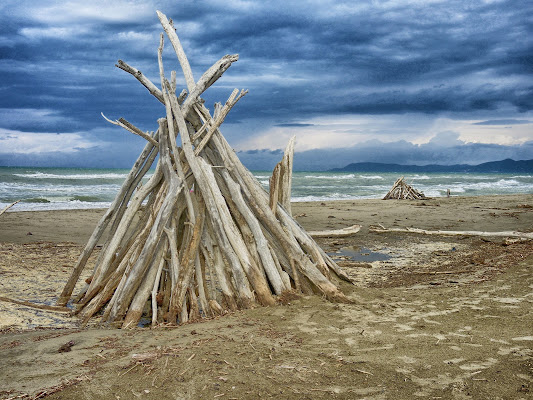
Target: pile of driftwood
x,y
200,236
402,191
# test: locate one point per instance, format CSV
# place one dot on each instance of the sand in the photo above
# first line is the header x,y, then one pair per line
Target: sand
x,y
433,316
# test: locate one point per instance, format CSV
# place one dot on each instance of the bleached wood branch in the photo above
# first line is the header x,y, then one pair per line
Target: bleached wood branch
x,y
37,306
147,83
348,231
172,134
131,128
8,207
233,99
280,183
523,235
211,76
178,48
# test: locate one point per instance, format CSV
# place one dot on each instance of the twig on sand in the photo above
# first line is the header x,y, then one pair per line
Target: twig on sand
x,y
8,207
38,306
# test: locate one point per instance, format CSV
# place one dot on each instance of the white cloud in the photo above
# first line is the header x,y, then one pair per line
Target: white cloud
x,y
137,36
31,116
345,131
72,12
17,142
52,32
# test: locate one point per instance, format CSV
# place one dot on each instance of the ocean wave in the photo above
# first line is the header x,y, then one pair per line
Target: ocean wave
x,y
371,177
330,197
36,200
503,183
501,186
57,205
42,175
334,177
25,187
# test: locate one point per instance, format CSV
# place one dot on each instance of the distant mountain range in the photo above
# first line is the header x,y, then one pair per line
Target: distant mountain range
x,y
504,166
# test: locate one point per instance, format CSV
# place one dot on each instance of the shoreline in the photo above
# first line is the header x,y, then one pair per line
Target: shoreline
x,y
77,225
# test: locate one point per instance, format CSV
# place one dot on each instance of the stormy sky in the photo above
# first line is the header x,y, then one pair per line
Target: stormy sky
x,y
414,82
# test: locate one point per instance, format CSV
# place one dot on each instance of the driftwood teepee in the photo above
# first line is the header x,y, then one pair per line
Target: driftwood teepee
x,y
403,191
199,237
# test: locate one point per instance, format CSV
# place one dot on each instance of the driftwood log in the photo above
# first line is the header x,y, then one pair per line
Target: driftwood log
x,y
402,191
343,232
199,237
516,234
281,180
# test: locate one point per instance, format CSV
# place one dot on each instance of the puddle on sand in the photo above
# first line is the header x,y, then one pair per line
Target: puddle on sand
x,y
361,254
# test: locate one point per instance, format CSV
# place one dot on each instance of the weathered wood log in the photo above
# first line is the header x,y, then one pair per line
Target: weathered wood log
x,y
281,180
343,232
522,235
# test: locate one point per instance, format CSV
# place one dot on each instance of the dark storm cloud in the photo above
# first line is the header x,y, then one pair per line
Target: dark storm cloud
x,y
298,59
293,125
503,122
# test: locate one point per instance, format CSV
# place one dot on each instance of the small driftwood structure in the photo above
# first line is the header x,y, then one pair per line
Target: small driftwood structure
x,y
199,237
402,191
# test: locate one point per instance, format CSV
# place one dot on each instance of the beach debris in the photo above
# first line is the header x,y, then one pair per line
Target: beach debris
x,y
66,347
522,235
8,207
402,191
201,236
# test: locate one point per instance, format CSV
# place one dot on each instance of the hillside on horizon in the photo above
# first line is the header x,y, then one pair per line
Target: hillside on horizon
x,y
504,166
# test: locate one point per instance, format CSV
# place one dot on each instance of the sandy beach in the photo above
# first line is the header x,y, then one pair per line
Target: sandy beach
x,y
433,316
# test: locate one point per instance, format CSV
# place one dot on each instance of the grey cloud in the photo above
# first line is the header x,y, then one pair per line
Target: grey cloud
x,y
293,125
503,122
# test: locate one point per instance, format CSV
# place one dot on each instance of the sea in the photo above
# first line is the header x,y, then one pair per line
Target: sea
x,y
77,188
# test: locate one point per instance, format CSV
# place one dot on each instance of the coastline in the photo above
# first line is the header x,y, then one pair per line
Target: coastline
x,y
458,213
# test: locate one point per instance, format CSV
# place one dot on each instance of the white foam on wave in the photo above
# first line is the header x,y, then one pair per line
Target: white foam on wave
x,y
35,188
371,177
501,186
42,175
57,205
502,183
331,197
335,177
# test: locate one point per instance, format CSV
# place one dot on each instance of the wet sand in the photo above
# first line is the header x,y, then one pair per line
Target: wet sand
x,y
433,316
